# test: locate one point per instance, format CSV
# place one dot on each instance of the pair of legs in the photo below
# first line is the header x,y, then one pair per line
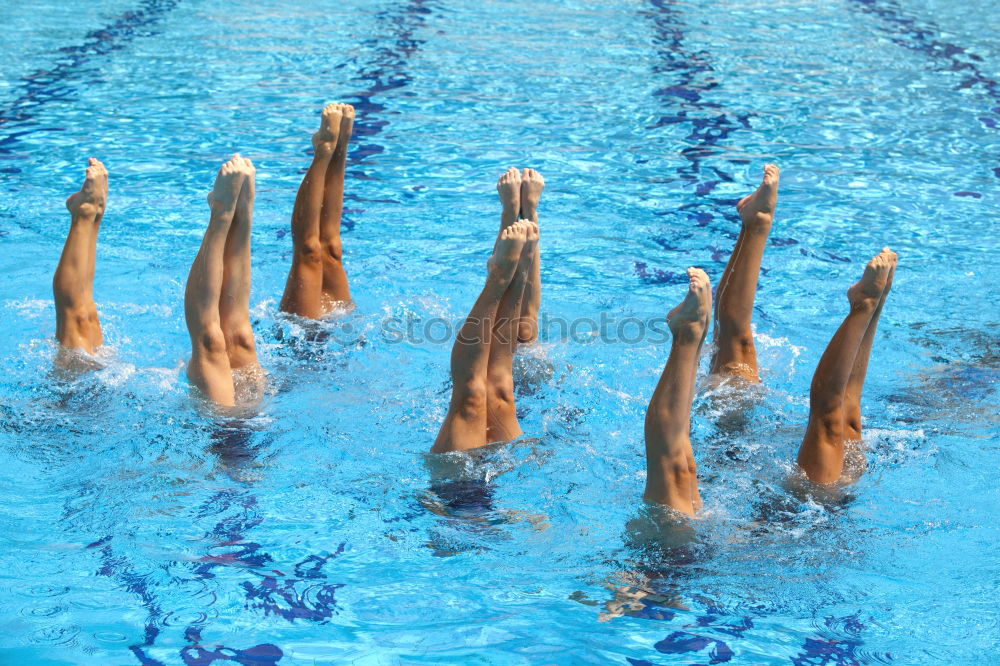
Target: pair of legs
x,y
217,296
482,401
317,281
519,193
77,324
835,393
671,476
735,354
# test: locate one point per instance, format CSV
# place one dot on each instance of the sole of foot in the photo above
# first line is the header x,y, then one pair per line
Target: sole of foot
x,y
325,138
346,126
507,253
532,184
228,183
92,198
689,320
867,291
757,210
509,189
530,241
244,203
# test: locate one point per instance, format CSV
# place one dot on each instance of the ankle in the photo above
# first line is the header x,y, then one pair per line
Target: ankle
x,y
323,150
757,227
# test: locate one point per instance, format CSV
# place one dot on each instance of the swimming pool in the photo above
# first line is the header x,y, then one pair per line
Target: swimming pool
x,y
137,530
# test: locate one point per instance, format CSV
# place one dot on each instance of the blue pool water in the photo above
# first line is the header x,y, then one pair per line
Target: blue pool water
x,y
136,530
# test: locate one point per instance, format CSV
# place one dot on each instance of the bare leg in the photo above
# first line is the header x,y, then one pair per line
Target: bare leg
x,y
234,303
821,455
335,286
304,288
532,184
209,366
735,354
77,323
671,477
464,426
852,395
501,416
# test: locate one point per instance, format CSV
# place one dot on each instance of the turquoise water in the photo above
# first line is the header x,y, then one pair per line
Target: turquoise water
x,y
136,530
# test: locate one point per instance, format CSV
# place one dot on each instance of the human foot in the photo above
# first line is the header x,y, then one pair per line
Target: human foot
x,y
93,195
346,127
530,242
507,251
867,291
757,209
689,321
509,189
228,183
888,281
532,185
325,139
244,203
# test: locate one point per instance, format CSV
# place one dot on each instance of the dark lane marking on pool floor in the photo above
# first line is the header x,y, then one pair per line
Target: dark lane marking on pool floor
x,y
392,45
276,595
710,125
55,84
919,35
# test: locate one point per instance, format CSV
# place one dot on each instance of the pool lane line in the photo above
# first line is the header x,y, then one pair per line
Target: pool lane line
x,y
55,84
918,35
686,103
393,43
315,603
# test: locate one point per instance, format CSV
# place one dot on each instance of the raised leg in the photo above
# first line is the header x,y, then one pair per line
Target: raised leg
x,y
821,455
234,303
501,416
671,476
209,368
77,323
735,354
532,185
464,426
852,395
335,287
304,287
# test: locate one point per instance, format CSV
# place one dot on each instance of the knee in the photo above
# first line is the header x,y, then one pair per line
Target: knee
x,y
501,393
831,424
526,332
310,250
738,334
81,317
852,423
470,398
681,472
211,341
333,250
240,339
